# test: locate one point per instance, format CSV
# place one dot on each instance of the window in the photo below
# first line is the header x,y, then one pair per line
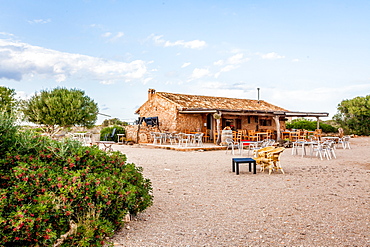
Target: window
x,y
265,122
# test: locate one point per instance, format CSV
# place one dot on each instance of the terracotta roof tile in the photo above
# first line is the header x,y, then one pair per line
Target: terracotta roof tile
x,y
194,102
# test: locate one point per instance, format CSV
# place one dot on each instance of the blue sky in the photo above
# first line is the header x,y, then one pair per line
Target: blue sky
x,y
303,55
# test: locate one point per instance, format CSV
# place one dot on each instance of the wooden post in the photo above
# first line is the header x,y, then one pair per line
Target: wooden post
x,y
277,123
318,123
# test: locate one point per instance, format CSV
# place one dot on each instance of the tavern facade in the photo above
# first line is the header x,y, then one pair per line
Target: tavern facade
x,y
181,113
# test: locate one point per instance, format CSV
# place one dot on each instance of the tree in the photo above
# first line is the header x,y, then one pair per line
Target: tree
x,y
113,121
60,108
353,115
7,100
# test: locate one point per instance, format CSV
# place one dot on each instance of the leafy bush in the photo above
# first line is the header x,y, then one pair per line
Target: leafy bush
x,y
7,132
302,123
327,128
107,132
65,194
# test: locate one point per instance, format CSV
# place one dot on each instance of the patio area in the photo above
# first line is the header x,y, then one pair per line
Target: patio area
x,y
199,201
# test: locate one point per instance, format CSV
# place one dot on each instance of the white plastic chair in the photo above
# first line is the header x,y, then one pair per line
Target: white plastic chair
x,y
299,144
172,137
231,144
198,139
322,150
156,136
345,142
329,146
183,139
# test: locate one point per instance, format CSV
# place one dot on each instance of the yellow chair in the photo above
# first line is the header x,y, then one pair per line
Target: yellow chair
x,y
262,151
270,159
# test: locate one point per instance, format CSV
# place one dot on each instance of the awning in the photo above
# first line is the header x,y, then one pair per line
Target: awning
x,y
257,113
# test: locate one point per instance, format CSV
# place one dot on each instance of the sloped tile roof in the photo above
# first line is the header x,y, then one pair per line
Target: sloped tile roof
x,y
198,102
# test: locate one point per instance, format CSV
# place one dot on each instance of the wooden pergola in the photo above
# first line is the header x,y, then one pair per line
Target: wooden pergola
x,y
276,115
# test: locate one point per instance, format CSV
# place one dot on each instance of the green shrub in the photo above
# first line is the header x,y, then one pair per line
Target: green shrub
x,y
107,132
49,189
7,132
302,123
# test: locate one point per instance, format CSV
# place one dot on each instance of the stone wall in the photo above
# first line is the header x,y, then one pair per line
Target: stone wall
x,y
143,135
163,109
190,122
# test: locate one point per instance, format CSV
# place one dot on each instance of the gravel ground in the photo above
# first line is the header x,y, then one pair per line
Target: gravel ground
x,y
199,201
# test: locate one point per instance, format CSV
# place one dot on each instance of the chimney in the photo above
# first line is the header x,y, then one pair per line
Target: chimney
x,y
151,92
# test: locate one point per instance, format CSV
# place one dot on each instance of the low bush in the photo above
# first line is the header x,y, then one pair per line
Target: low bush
x,y
64,194
302,123
7,133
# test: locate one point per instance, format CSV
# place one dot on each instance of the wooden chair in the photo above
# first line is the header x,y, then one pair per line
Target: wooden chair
x,y
304,134
239,136
296,135
269,134
245,134
318,133
252,135
207,136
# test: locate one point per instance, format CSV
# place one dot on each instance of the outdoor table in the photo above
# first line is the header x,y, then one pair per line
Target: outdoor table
x,y
304,144
286,134
107,145
190,138
259,135
250,161
241,145
334,138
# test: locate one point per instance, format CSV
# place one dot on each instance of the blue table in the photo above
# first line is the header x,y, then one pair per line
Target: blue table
x,y
237,161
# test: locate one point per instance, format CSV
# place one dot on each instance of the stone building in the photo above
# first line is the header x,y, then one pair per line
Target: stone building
x,y
187,113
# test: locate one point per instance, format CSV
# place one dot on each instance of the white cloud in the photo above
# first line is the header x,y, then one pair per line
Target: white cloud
x,y
230,63
219,62
39,21
106,34
185,65
20,59
119,35
107,82
296,60
146,80
199,73
111,37
227,68
7,34
271,56
237,59
194,44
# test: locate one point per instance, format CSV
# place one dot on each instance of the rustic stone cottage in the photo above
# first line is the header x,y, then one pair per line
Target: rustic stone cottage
x,y
187,113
